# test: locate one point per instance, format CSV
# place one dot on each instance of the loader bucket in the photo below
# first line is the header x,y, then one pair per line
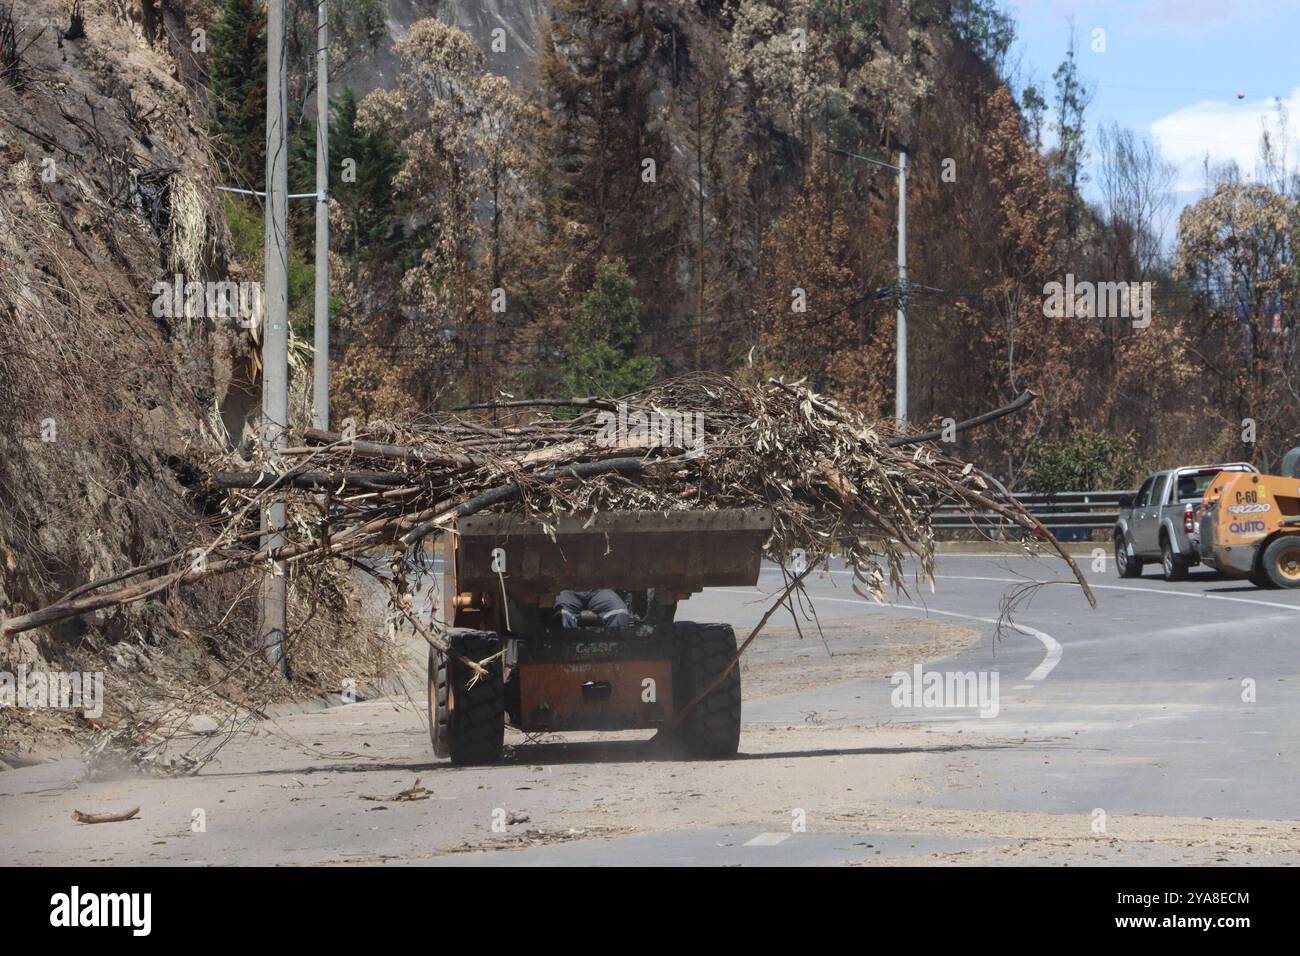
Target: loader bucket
x,y
680,551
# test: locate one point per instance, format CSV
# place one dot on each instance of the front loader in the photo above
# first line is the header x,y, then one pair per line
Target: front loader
x,y
501,577
1250,525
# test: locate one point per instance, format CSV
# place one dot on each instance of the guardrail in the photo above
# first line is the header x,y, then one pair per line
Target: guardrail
x,y
1085,510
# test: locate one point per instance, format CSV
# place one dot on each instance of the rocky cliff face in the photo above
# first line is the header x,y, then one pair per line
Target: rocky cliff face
x,y
108,386
108,191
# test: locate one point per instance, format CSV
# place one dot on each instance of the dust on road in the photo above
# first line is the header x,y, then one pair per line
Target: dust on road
x,y
326,787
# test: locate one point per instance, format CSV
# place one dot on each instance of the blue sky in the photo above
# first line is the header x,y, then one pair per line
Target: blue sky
x,y
1171,71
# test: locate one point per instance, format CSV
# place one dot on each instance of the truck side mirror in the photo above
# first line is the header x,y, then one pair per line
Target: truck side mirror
x,y
1126,501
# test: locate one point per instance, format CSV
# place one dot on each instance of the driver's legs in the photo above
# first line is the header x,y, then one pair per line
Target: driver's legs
x,y
610,607
570,605
606,603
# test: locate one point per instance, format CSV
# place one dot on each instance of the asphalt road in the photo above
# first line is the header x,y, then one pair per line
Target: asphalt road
x,y
1160,728
1144,695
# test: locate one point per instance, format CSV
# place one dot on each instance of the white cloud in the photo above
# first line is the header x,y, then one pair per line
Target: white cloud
x,y
1226,131
1201,16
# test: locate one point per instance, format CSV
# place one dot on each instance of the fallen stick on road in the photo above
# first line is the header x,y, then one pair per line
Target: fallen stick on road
x,y
82,817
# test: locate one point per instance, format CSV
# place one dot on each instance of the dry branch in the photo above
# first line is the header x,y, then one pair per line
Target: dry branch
x,y
834,482
82,817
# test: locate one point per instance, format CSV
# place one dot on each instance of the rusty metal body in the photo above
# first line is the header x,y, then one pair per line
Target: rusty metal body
x,y
503,573
596,679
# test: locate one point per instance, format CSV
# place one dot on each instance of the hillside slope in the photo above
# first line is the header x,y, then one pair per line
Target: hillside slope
x,y
106,386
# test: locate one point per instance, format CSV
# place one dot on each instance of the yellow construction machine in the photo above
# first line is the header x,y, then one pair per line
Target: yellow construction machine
x,y
1250,525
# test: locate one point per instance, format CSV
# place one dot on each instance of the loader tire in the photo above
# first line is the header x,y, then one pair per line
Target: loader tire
x,y
1259,577
467,723
710,731
1281,561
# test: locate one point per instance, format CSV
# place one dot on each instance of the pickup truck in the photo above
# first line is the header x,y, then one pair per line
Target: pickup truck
x,y
1162,521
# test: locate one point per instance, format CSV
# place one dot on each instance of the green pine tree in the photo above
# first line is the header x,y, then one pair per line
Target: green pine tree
x,y
603,338
237,90
362,166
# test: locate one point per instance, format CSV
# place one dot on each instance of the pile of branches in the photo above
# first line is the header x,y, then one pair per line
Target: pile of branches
x,y
834,482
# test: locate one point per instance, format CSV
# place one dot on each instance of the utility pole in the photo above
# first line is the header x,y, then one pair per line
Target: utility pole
x,y
320,395
900,346
275,328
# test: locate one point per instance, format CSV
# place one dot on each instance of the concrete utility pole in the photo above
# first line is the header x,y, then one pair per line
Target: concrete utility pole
x,y
900,347
320,395
275,326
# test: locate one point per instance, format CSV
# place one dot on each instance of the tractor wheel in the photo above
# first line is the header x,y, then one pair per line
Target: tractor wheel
x,y
467,723
1174,567
1126,564
711,730
1281,561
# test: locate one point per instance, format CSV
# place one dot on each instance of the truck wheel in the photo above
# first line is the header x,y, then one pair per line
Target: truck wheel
x,y
712,730
1174,567
1127,565
467,723
1281,561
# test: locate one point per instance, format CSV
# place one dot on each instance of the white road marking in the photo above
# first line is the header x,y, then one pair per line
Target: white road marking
x,y
1053,649
1121,587
1050,644
768,839
1050,659
1095,587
